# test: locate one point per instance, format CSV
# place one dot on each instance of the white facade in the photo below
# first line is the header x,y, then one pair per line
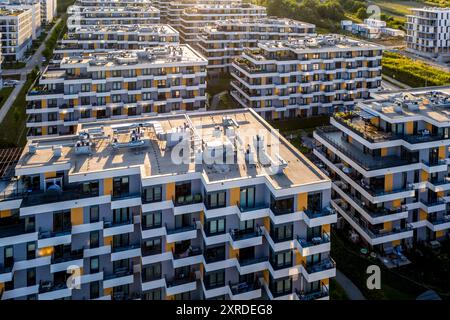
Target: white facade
x,y
371,29
19,25
428,33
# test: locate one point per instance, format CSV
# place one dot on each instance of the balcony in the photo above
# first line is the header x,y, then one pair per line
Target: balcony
x,y
439,224
321,270
187,204
373,237
61,263
16,232
250,265
49,290
125,252
180,284
320,294
54,238
121,200
319,217
245,238
35,198
116,228
314,246
119,277
190,257
181,233
245,290
255,212
6,273
366,161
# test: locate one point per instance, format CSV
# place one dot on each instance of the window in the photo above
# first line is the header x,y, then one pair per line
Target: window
x,y
247,197
94,265
9,256
61,221
315,201
281,233
31,250
120,265
280,287
121,186
152,246
151,220
281,206
153,295
215,279
121,215
152,194
216,226
121,240
94,215
90,188
216,200
281,260
94,289
31,277
151,272
94,239
213,254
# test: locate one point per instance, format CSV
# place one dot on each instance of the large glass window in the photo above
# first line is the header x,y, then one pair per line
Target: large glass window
x,y
121,186
151,272
121,215
152,194
216,200
216,226
247,197
151,220
215,279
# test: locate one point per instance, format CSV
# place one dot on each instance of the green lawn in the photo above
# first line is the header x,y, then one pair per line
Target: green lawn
x,y
4,94
217,85
226,101
413,72
294,124
336,291
353,265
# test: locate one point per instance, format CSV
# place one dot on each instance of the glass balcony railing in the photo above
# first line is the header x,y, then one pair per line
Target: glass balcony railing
x,y
50,286
191,252
323,265
43,197
238,235
181,229
312,214
180,280
73,255
322,292
186,200
249,261
243,287
305,243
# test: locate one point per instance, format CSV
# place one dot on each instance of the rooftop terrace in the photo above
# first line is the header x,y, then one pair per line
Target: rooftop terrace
x,y
331,41
149,143
434,105
124,28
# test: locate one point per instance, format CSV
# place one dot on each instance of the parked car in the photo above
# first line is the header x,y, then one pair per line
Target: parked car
x,y
10,83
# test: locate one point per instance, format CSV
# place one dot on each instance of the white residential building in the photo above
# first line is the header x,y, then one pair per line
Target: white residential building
x,y
388,160
306,77
19,25
428,33
93,38
114,85
110,200
225,40
371,29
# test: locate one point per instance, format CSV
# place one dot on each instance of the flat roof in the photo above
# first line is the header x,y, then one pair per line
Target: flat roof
x,y
330,41
150,55
154,155
432,104
121,28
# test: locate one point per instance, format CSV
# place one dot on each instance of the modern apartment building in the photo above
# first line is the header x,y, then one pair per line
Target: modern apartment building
x,y
114,3
19,25
306,77
118,84
47,8
244,216
107,15
225,40
388,160
93,38
371,29
428,33
171,12
193,19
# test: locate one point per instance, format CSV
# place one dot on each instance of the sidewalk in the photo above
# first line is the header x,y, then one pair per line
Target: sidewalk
x,y
349,287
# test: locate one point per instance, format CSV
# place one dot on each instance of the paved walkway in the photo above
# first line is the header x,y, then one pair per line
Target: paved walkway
x,y
349,287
